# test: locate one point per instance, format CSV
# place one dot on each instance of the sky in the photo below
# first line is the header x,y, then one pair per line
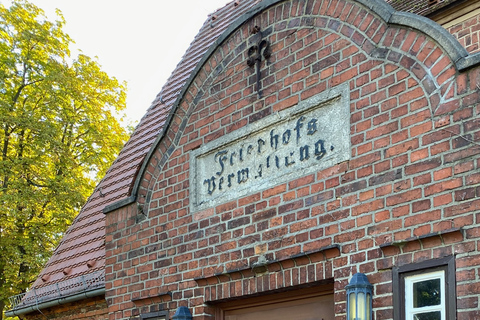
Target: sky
x,y
139,41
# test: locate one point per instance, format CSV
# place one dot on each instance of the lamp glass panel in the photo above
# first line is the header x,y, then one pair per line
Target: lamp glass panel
x,y
352,306
369,303
361,301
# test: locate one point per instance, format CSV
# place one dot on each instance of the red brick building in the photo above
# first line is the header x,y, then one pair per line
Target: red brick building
x,y
298,143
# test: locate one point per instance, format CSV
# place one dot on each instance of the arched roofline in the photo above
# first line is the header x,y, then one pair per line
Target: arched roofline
x,y
458,54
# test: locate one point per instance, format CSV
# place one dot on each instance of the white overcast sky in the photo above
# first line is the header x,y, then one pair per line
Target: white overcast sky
x,y
139,41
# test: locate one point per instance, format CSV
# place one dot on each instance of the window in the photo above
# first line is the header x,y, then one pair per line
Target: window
x,y
154,316
425,296
425,291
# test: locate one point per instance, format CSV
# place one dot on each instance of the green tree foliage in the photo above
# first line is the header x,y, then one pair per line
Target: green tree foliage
x,y
59,130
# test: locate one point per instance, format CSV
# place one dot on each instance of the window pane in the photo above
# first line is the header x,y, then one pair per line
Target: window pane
x,y
436,315
426,293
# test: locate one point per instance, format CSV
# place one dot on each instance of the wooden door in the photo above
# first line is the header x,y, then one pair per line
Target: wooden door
x,y
317,308
288,306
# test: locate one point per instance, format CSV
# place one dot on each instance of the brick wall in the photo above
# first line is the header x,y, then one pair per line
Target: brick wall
x,y
88,309
409,193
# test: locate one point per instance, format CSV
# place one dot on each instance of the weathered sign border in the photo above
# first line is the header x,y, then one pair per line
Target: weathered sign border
x,y
335,100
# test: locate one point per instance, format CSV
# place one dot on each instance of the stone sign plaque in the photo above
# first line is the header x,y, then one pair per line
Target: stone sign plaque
x,y
303,139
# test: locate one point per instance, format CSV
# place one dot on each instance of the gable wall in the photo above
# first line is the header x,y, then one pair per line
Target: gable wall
x,y
412,177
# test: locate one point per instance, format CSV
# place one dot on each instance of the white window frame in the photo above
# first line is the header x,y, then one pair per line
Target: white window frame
x,y
410,310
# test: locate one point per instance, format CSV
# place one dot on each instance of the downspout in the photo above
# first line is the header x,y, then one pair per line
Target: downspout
x,y
56,302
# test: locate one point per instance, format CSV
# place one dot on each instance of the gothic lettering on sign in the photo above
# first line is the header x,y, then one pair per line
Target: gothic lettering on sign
x,y
276,150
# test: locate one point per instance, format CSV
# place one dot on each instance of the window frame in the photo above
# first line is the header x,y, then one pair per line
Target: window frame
x,y
160,315
410,281
447,265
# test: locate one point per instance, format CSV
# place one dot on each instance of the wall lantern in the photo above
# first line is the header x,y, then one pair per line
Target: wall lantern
x,y
182,313
359,298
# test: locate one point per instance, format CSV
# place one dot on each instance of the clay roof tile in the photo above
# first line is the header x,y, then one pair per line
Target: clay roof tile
x,y
421,7
82,249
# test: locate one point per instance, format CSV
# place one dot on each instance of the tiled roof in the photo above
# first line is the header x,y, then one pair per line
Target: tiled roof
x,y
84,242
420,7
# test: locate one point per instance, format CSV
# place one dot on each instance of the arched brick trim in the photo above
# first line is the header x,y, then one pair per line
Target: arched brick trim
x,y
417,54
457,53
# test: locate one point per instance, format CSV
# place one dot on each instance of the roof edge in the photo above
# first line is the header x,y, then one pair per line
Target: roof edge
x,y
56,302
124,202
383,9
459,55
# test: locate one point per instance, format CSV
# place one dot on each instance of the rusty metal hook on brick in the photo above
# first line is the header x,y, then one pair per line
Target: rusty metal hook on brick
x,y
261,49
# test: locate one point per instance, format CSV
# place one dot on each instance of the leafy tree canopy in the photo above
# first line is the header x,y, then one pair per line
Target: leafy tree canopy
x,y
59,130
